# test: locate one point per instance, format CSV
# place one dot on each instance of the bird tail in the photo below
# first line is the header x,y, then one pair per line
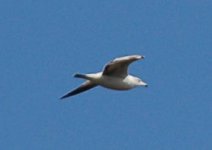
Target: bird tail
x,y
83,76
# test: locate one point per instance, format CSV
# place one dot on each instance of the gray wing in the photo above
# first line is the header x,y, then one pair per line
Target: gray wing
x,y
119,66
83,87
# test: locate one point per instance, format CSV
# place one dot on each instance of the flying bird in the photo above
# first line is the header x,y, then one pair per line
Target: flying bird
x,y
114,76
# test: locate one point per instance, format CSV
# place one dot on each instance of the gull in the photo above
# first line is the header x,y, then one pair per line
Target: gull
x,y
114,76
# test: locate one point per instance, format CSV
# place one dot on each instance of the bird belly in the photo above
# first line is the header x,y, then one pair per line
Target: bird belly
x,y
114,83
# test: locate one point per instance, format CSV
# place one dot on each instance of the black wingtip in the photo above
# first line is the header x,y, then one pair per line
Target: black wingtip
x,y
61,98
65,96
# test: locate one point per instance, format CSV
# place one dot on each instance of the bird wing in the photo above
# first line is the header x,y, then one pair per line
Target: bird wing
x,y
83,87
119,66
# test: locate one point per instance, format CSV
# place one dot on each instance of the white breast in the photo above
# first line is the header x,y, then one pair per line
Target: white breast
x,y
115,83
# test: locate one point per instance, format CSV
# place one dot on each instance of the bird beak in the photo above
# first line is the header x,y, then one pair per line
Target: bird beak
x,y
142,83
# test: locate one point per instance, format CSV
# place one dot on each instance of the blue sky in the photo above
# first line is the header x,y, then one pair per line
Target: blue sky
x,y
43,43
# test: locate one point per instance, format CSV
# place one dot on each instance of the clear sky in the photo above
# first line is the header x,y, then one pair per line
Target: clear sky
x,y
44,42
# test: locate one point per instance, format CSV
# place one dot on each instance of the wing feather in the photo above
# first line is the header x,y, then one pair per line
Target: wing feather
x,y
119,66
83,87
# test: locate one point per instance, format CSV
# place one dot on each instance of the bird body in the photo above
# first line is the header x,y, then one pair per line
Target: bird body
x,y
114,76
116,83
